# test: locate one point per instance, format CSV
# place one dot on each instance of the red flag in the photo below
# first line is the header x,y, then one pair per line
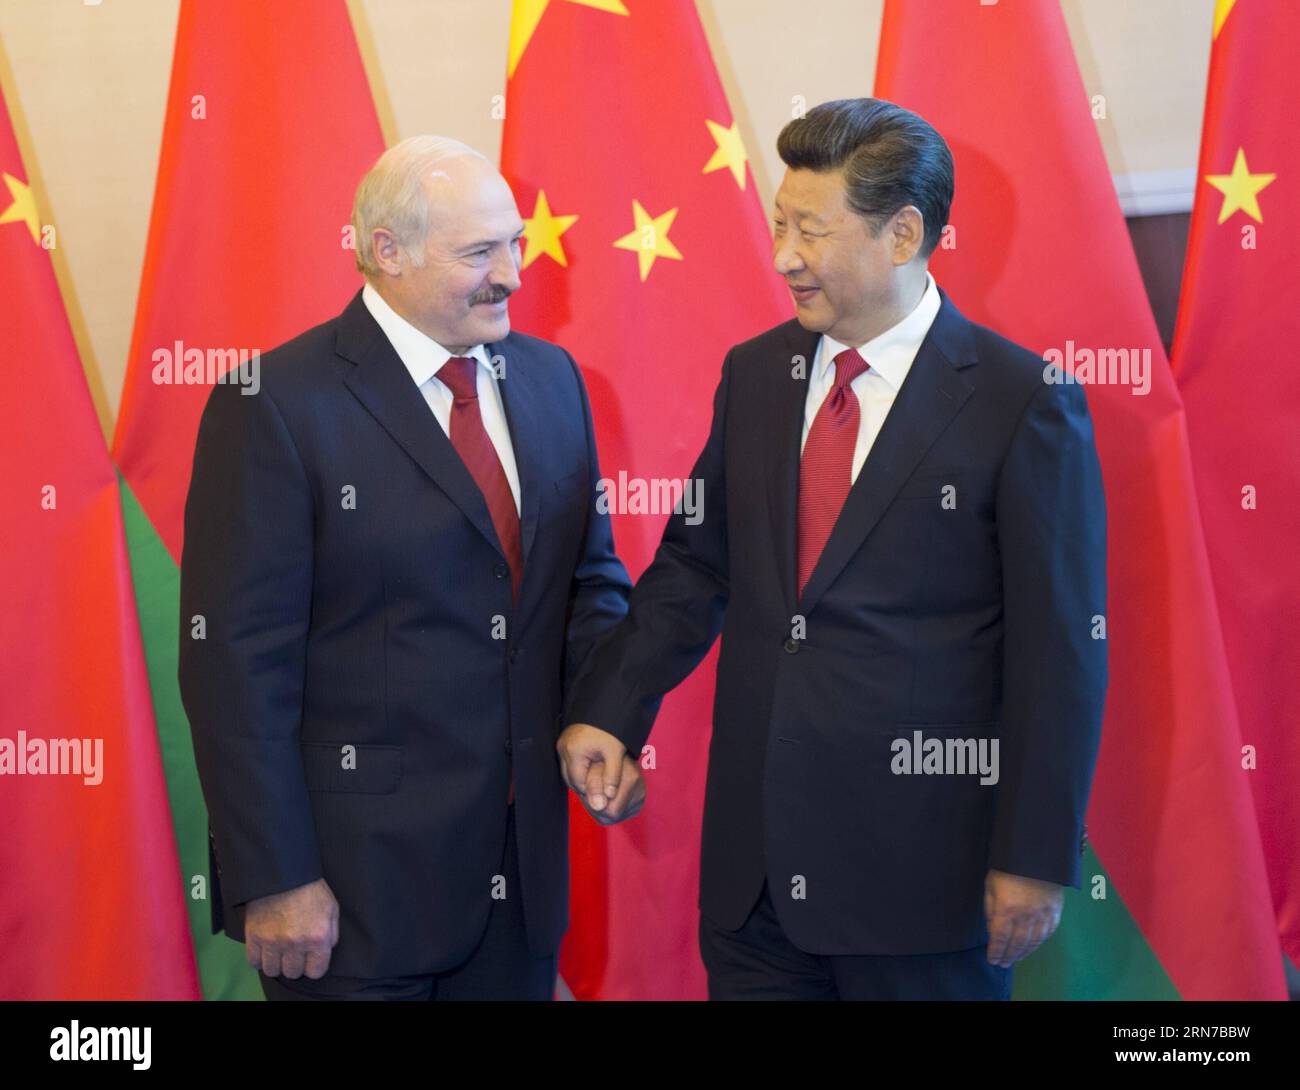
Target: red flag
x,y
270,125
1039,252
647,256
1235,357
92,901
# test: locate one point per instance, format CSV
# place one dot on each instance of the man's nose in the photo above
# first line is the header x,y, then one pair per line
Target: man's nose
x,y
505,271
785,257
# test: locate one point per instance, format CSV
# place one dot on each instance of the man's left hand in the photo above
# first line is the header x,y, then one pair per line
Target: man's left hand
x,y
1022,913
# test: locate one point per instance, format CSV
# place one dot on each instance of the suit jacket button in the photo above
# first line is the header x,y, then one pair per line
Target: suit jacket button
x,y
507,746
514,654
500,571
792,646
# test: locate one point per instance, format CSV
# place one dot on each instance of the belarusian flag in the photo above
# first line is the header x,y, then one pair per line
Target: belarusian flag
x,y
270,125
1237,360
647,256
92,900
1040,253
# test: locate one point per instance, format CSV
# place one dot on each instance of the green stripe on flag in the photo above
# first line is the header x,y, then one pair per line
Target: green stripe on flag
x,y
222,969
1097,952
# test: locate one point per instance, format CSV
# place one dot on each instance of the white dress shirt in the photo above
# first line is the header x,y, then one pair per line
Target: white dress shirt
x,y
424,357
890,356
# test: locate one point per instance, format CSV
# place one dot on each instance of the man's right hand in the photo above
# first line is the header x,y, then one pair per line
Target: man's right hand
x,y
591,763
293,932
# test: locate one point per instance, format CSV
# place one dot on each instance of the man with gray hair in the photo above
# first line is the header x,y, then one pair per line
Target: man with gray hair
x,y
399,560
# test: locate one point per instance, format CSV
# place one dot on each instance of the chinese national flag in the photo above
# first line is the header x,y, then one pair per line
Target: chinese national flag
x,y
1237,360
92,898
647,256
1175,898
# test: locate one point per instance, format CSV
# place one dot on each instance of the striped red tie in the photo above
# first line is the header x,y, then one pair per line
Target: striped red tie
x,y
471,441
475,448
826,469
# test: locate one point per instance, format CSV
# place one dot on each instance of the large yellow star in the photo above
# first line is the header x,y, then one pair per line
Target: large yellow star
x,y
543,231
730,151
649,239
1221,10
23,207
528,13
1240,189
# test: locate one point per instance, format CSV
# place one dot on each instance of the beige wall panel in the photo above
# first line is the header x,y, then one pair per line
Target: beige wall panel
x,y
91,83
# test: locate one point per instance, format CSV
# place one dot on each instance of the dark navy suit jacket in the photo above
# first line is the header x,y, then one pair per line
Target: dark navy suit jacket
x,y
973,619
355,595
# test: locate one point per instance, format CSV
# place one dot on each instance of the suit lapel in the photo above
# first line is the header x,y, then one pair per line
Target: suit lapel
x,y
520,396
786,430
381,382
931,395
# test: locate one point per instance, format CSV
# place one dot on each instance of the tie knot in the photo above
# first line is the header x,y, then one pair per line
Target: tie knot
x,y
848,366
459,373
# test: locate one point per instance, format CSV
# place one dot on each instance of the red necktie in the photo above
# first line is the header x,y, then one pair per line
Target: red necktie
x,y
826,468
471,441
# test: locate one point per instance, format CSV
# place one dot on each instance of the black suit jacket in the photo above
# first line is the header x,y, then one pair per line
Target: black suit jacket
x,y
964,622
363,682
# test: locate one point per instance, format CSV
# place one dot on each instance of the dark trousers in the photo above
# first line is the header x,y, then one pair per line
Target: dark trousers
x,y
500,967
760,962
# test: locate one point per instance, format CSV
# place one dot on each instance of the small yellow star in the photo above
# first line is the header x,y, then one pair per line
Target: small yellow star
x,y
730,151
1240,189
23,207
543,231
528,13
649,239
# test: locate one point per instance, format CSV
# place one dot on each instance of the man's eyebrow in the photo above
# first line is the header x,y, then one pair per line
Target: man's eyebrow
x,y
799,214
484,242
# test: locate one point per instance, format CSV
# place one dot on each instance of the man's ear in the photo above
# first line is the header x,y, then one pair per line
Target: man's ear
x,y
386,252
907,228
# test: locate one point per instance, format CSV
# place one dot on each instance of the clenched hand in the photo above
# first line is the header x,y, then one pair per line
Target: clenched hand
x,y
1022,913
293,932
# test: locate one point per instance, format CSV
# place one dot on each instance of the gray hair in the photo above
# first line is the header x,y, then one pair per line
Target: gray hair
x,y
391,196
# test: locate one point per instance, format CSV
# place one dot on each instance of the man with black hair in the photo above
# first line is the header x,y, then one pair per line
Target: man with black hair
x,y
903,545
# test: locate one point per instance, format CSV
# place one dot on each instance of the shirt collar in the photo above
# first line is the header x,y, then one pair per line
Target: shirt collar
x,y
892,352
421,354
